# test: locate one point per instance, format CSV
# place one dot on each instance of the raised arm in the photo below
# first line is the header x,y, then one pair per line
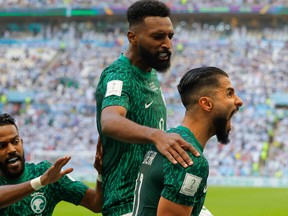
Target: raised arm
x,y
114,124
10,194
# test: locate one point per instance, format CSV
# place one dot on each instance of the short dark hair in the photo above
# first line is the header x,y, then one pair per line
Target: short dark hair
x,y
7,119
139,10
197,80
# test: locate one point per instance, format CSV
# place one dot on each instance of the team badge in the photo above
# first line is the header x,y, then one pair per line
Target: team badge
x,y
38,203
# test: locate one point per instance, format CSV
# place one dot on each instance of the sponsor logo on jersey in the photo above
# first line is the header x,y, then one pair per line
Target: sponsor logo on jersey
x,y
205,189
147,105
190,184
38,203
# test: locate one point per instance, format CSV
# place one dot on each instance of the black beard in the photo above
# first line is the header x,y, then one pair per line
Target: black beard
x,y
8,174
153,60
222,135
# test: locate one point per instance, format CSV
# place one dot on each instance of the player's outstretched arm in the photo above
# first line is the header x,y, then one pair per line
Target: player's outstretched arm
x,y
93,198
114,124
10,194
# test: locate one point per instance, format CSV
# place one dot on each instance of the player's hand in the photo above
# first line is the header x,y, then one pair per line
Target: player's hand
x,y
98,157
55,172
174,147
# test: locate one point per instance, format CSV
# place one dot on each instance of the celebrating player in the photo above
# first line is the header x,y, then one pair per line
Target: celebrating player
x,y
35,189
166,189
131,112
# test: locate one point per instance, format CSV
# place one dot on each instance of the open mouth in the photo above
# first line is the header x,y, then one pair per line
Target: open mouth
x,y
233,113
164,56
13,161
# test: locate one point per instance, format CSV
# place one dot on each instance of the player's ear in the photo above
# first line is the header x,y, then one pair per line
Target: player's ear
x,y
131,37
206,103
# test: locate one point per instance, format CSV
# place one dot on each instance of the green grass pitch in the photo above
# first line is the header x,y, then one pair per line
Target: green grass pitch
x,y
221,201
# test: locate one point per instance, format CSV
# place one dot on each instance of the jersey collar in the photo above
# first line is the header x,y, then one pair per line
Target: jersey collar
x,y
188,131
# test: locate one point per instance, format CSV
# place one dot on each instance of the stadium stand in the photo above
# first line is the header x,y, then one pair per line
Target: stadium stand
x,y
49,71
126,3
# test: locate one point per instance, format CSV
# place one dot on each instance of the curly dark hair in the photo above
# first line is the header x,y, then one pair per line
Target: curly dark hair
x,y
145,8
7,119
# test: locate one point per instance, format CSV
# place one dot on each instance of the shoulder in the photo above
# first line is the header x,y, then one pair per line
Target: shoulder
x,y
200,166
118,66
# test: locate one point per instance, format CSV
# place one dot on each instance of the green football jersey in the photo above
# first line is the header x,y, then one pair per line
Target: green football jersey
x,y
43,201
159,177
139,92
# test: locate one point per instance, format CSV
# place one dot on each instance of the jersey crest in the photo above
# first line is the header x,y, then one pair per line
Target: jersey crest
x,y
38,203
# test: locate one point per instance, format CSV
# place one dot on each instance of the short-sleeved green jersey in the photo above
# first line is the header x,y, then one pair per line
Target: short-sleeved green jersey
x,y
159,177
43,201
139,92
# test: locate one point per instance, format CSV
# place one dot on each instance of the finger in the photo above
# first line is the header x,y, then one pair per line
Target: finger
x,y
65,161
178,154
98,164
184,155
193,150
66,171
170,157
62,161
99,149
58,161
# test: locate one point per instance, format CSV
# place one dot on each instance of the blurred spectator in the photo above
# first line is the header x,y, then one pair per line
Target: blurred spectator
x,y
63,75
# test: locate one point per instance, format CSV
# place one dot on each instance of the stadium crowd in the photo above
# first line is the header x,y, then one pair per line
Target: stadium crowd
x,y
62,74
126,3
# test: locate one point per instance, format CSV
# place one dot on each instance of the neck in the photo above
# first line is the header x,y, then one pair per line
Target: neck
x,y
199,126
136,60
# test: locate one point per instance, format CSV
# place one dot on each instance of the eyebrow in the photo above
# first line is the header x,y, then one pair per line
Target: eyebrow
x,y
230,89
12,139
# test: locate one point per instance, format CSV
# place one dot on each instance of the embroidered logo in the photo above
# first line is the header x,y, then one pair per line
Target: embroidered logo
x,y
38,203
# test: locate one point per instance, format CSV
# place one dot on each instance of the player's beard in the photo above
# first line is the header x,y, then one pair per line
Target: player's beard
x,y
12,175
153,60
220,125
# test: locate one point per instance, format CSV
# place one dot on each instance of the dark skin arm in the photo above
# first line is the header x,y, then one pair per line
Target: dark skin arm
x,y
169,208
93,198
10,194
171,145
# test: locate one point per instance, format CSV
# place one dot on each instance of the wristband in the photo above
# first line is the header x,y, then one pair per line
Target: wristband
x,y
99,178
36,183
